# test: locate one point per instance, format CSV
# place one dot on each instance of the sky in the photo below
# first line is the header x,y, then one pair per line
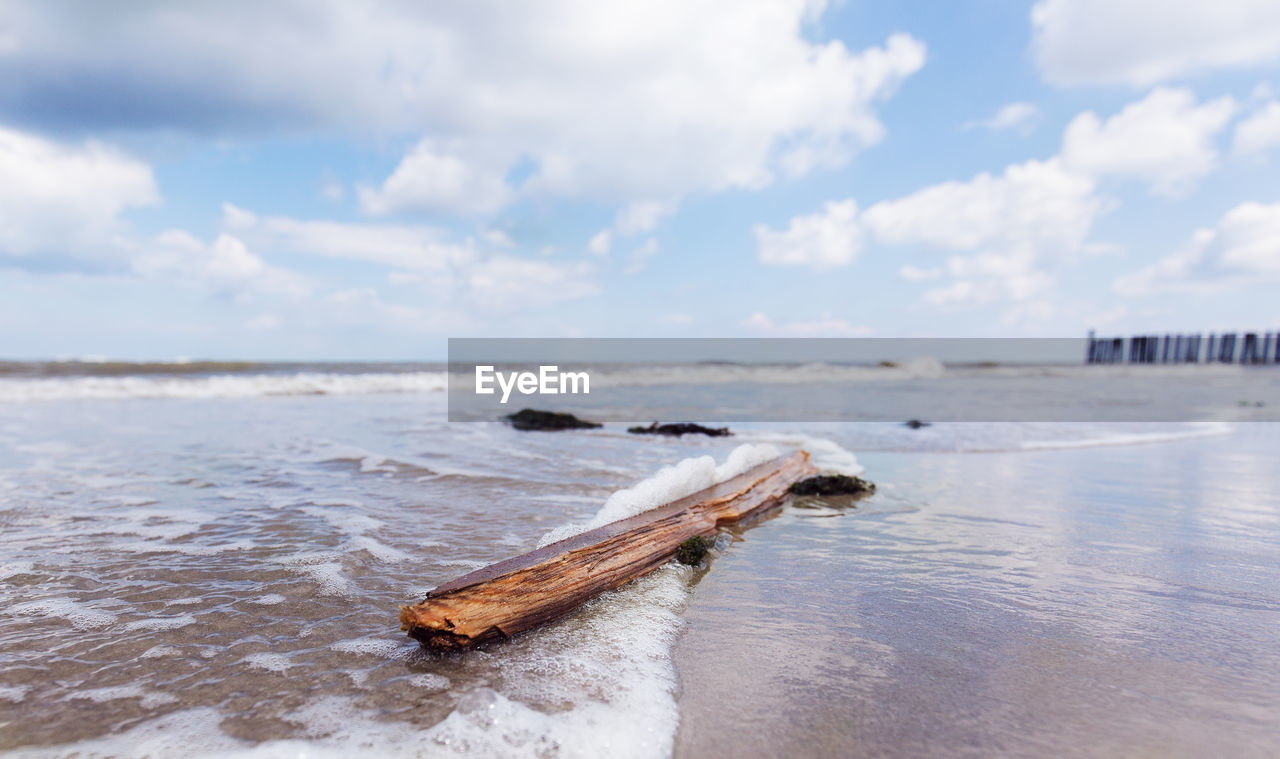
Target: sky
x,y
330,180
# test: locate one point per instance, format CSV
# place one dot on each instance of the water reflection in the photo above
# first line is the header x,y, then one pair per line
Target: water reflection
x,y
1091,602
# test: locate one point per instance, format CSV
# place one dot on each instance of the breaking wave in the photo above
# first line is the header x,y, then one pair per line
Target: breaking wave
x,y
220,385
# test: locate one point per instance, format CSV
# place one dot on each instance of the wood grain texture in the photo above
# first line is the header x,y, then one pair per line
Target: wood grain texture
x,y
511,596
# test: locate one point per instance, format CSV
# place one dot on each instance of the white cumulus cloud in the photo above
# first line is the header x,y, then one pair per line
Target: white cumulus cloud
x,y
225,265
432,178
1032,206
1165,139
829,238
1143,42
1018,115
65,198
465,272
1242,249
1259,132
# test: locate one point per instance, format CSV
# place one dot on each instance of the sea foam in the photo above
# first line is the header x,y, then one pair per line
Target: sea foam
x,y
221,386
669,484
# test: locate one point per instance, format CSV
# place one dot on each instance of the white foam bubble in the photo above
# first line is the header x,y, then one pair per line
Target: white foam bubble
x,y
147,699
348,522
465,563
161,623
429,681
322,569
190,601
827,455
102,695
14,693
669,484
186,549
608,666
14,568
382,647
161,651
191,732
128,500
66,609
744,457
270,599
268,661
378,550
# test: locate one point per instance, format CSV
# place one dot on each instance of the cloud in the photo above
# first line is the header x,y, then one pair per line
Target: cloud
x,y
264,322
601,243
639,258
1258,133
412,247
829,238
508,283
432,178
916,274
1143,42
1007,233
642,216
1020,116
1242,249
827,326
1165,139
460,272
332,190
578,99
634,218
65,199
674,109
499,239
226,265
1036,206
1001,230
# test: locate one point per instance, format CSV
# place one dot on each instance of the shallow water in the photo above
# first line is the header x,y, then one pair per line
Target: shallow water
x,y
236,567
224,573
1120,601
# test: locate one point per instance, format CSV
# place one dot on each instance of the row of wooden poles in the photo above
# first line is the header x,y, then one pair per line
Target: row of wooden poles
x,y
1227,348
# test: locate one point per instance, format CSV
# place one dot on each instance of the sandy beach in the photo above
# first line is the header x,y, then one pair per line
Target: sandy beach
x,y
224,572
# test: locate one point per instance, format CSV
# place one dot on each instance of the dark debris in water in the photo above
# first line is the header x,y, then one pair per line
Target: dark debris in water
x,y
683,428
915,424
531,419
693,550
833,484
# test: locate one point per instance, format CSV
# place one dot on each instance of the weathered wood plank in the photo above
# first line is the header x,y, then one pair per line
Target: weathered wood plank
x,y
520,593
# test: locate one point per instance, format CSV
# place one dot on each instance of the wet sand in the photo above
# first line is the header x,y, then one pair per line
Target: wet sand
x,y
219,576
1112,601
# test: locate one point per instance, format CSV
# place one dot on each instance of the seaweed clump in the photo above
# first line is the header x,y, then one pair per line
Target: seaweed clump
x,y
692,551
683,428
531,419
833,484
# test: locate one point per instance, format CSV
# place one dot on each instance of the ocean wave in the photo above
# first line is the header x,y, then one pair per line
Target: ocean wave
x,y
608,667
924,367
220,386
1102,439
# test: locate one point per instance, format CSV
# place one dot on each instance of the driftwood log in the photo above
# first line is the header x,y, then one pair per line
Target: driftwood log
x,y
511,596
